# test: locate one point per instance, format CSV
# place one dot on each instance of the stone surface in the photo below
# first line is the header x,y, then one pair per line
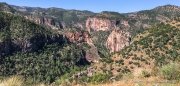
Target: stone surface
x,y
117,40
97,24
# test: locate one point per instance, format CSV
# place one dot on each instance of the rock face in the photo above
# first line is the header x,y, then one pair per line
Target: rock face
x,y
52,23
78,37
117,40
30,45
92,55
84,36
63,18
97,24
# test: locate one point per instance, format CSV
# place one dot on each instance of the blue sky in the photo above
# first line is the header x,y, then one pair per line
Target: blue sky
x,y
121,6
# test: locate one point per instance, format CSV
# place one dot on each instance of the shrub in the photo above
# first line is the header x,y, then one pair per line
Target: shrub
x,y
145,73
121,61
118,77
119,70
100,78
171,71
130,62
132,67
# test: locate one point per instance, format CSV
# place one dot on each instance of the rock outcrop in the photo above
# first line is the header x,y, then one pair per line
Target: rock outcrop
x,y
84,37
52,23
79,37
30,45
92,55
97,24
117,40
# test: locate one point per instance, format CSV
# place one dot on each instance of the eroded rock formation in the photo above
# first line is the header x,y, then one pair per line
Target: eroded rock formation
x,y
52,23
97,24
79,37
117,40
30,45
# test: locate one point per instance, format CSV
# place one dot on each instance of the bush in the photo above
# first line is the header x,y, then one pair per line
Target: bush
x,y
171,71
100,78
145,73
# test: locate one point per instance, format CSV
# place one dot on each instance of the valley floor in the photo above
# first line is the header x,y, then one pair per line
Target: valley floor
x,y
127,81
151,81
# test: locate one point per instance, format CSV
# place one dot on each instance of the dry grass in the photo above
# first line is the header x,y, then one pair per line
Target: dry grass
x,y
138,37
120,83
17,81
41,85
12,81
127,80
151,81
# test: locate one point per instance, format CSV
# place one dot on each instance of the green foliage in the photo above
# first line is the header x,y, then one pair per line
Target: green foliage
x,y
111,15
159,39
13,27
45,65
99,38
177,18
62,60
171,71
145,73
95,79
100,78
4,7
58,15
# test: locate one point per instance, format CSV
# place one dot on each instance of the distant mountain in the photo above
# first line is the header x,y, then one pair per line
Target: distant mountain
x,y
56,18
130,23
6,8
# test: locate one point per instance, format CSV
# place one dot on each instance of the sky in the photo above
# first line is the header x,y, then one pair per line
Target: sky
x,y
121,6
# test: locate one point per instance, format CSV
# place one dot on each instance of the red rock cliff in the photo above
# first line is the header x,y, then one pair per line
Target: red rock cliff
x,y
79,37
117,40
97,24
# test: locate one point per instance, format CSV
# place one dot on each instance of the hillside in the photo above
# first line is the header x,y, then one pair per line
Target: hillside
x,y
153,54
106,22
56,18
28,48
6,8
128,23
69,47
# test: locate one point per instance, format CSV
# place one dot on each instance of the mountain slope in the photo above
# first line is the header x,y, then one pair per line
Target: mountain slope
x,y
147,55
6,8
57,17
71,42
155,47
132,23
29,50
